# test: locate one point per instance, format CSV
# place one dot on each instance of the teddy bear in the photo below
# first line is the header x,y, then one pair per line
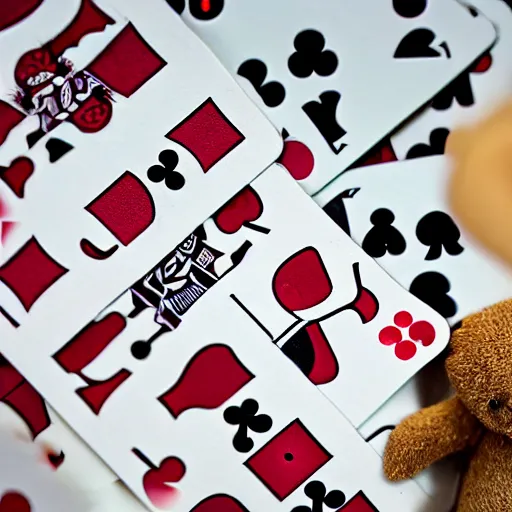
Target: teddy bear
x,y
477,419
480,184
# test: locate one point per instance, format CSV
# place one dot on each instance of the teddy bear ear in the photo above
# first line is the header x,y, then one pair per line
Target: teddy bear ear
x,y
493,323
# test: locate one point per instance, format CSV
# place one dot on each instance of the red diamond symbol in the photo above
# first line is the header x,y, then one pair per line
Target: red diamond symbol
x,y
30,272
288,460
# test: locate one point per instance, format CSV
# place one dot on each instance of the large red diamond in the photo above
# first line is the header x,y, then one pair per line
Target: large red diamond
x,y
208,134
125,208
30,272
288,460
127,63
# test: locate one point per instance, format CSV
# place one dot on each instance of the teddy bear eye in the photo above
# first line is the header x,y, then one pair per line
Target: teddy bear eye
x,y
494,405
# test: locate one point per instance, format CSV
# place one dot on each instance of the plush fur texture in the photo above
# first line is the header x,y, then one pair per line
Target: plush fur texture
x,y
478,418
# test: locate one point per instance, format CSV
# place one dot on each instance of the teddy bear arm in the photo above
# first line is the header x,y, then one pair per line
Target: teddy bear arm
x,y
428,436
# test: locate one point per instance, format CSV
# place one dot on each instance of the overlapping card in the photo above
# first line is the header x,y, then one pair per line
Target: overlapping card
x,y
186,352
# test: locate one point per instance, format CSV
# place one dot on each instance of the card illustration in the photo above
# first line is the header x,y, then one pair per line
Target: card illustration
x,y
210,378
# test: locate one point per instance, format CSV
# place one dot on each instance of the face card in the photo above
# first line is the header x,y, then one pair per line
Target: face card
x,y
27,484
44,81
120,201
24,412
429,386
399,215
323,70
228,395
264,277
472,94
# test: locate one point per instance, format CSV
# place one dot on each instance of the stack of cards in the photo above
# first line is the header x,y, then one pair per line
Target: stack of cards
x,y
175,311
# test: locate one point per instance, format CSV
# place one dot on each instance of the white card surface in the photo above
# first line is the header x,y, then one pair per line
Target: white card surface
x,y
27,484
114,498
95,220
399,214
24,412
319,72
227,285
469,97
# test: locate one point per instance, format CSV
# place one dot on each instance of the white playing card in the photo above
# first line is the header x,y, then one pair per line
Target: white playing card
x,y
472,95
24,413
429,386
188,437
27,484
399,214
91,223
114,498
326,309
341,77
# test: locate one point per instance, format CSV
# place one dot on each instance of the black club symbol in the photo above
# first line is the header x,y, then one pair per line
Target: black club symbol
x,y
246,418
319,497
158,173
311,57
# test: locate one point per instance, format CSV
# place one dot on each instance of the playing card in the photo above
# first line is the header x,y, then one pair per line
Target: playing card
x,y
441,480
227,394
90,224
24,413
339,78
27,484
398,213
261,274
480,88
114,498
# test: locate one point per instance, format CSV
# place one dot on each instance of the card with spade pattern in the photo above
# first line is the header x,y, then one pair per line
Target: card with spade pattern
x,y
466,99
341,75
399,215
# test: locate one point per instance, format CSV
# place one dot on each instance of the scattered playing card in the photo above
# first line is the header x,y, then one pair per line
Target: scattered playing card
x,y
479,89
399,215
92,222
24,413
29,485
340,77
256,274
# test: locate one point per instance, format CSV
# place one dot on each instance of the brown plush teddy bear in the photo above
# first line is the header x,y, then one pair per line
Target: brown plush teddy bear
x,y
478,417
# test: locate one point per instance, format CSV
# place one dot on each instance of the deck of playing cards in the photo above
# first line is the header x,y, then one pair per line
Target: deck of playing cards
x,y
176,311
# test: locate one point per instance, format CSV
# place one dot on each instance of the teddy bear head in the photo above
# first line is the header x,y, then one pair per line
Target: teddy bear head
x,y
479,366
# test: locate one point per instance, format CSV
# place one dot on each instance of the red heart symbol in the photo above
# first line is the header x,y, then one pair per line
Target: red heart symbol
x,y
156,482
17,174
55,459
298,159
482,64
423,332
14,502
244,208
